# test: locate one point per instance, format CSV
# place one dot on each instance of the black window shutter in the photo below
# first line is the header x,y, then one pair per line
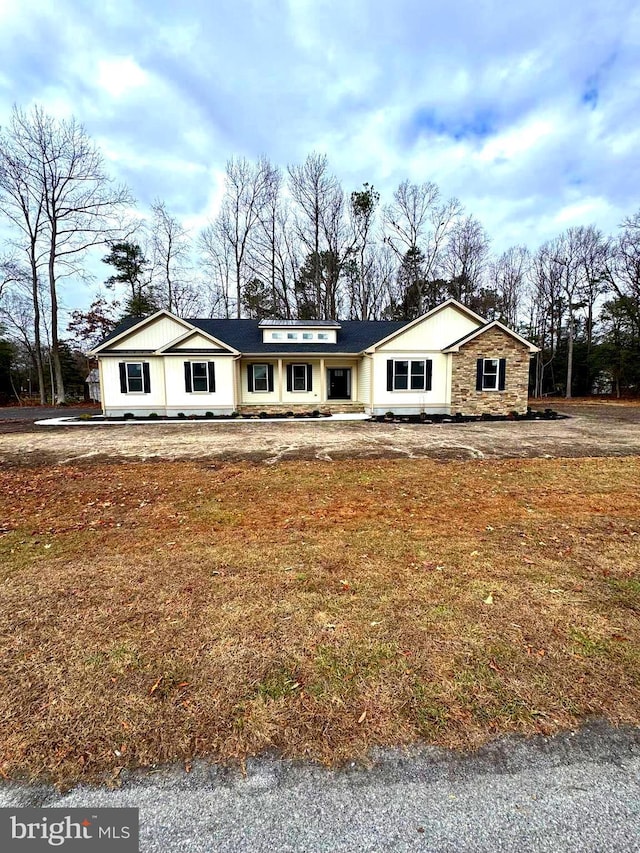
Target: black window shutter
x,y
428,365
146,380
187,377
250,377
212,376
390,374
309,377
123,377
289,377
502,374
270,377
479,373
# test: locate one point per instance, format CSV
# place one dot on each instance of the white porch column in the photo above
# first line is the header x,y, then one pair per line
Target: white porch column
x,y
323,382
279,380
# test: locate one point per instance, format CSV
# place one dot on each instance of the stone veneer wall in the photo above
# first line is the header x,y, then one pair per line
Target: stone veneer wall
x,y
492,344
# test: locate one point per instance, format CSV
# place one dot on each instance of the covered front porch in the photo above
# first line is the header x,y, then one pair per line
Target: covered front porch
x,y
296,384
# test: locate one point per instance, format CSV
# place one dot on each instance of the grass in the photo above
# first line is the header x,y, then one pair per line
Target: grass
x,y
155,612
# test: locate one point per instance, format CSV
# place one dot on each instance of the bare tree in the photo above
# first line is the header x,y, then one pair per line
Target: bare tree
x,y
507,275
78,205
246,187
464,259
171,252
321,229
418,221
623,267
22,204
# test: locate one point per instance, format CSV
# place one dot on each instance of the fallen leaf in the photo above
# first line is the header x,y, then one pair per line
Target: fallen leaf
x,y
489,599
155,686
362,717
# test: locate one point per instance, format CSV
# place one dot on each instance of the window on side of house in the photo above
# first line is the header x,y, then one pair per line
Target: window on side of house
x,y
292,336
276,336
134,377
307,336
260,377
491,374
200,376
409,374
323,336
299,377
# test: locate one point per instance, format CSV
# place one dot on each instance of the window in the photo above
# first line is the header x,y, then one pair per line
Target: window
x,y
299,377
260,377
307,336
406,375
134,377
491,374
199,377
323,336
276,336
292,336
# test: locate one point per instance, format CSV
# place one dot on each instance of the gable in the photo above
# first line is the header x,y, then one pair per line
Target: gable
x,y
434,332
152,335
196,341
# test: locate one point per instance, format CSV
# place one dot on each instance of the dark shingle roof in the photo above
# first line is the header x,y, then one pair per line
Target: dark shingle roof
x,y
353,336
245,336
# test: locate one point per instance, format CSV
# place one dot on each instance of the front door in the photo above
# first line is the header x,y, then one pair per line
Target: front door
x,y
339,383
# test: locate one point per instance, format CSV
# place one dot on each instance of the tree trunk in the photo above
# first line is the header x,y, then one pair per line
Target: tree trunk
x,y
36,329
58,393
569,359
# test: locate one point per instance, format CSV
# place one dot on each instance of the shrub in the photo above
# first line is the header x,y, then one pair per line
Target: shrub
x,y
289,415
208,414
128,416
263,415
315,413
181,415
234,414
389,415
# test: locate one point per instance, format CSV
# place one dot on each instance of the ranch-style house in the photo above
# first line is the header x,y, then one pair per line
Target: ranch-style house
x,y
449,360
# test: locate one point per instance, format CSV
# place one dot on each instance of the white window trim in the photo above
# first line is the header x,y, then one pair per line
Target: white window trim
x,y
126,372
409,389
295,390
266,377
193,379
497,374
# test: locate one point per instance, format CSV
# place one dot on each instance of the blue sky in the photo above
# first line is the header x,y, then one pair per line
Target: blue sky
x,y
526,111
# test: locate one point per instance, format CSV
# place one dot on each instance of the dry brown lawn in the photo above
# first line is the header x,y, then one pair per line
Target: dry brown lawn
x,y
155,612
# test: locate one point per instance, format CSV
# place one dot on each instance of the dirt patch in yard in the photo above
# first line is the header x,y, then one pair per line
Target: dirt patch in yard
x,y
161,612
591,430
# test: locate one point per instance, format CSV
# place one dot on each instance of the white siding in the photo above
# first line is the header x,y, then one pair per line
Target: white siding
x,y
434,333
156,334
364,381
114,399
179,399
438,399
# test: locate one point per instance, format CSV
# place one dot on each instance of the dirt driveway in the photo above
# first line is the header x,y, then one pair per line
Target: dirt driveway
x,y
593,429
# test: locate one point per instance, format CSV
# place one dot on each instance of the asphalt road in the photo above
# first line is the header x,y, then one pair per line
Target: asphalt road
x,y
576,792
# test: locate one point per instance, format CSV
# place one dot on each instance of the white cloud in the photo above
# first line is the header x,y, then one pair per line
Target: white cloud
x,y
120,75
